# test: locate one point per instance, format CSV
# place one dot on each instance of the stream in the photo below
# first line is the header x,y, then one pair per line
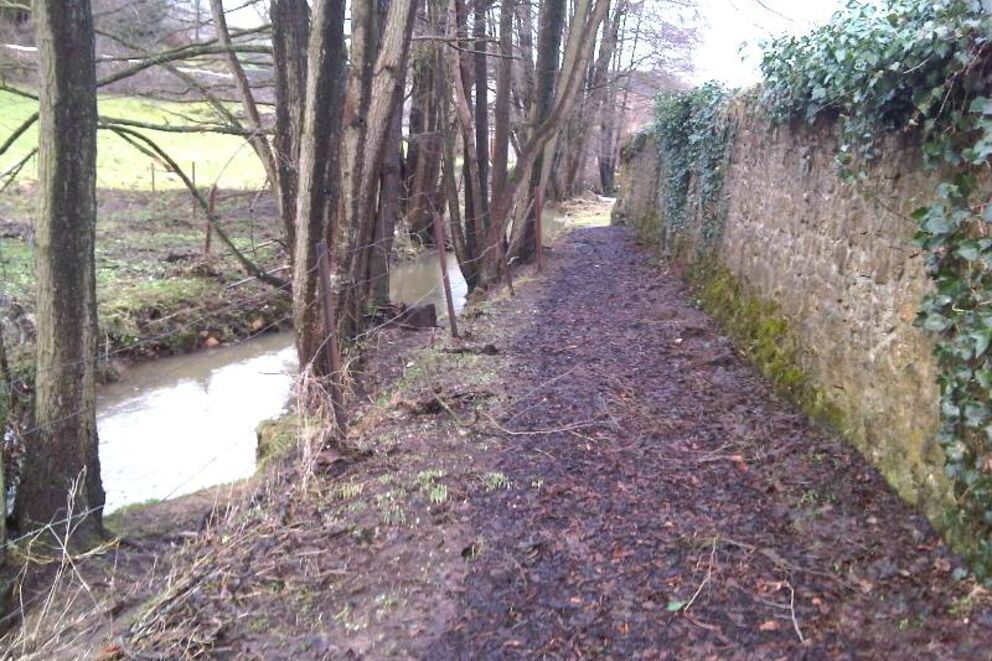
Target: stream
x,y
177,425
180,424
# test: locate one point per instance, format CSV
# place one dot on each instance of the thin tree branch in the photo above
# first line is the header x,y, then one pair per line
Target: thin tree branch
x,y
18,132
184,53
151,149
173,128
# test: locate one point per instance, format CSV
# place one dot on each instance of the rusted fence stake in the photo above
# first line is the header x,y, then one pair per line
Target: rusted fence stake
x,y
331,349
193,179
442,259
211,205
539,227
508,263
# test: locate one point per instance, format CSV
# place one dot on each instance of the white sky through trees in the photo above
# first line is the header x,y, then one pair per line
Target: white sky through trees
x,y
731,29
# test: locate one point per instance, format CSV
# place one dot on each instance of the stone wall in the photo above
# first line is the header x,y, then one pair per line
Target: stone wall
x,y
838,262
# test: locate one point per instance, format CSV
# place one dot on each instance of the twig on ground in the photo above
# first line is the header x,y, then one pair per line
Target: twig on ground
x,y
781,563
538,432
792,613
706,580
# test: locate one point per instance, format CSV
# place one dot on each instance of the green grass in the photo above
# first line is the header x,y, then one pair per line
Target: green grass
x,y
223,159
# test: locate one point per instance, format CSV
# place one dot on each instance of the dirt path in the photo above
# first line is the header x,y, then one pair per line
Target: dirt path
x,y
683,512
612,481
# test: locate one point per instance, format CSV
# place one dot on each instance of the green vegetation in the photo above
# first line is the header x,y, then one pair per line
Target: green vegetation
x,y
277,438
157,292
921,67
694,133
225,160
496,481
759,329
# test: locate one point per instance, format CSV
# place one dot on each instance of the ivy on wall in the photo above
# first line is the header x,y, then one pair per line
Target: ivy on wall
x,y
922,68
919,68
694,132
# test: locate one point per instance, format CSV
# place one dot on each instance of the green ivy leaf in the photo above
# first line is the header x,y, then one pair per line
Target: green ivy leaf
x,y
982,339
969,250
984,378
982,105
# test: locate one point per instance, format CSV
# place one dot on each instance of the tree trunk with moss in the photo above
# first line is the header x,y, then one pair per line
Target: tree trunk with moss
x,y
290,36
319,169
62,451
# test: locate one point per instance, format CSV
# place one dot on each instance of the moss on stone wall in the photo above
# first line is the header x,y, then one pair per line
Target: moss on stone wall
x,y
277,438
762,333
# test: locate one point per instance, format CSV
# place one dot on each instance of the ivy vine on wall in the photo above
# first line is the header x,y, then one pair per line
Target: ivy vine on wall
x,y
921,68
694,132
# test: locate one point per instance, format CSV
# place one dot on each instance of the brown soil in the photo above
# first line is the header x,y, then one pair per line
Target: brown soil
x,y
698,516
617,482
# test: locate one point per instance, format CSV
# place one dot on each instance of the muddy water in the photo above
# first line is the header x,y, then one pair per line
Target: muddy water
x,y
177,425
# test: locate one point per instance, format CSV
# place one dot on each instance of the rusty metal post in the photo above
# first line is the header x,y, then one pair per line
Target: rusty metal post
x,y
152,169
508,265
193,179
211,205
539,227
443,261
331,349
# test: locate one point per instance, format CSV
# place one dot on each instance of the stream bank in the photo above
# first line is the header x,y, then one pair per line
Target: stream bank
x,y
176,425
179,424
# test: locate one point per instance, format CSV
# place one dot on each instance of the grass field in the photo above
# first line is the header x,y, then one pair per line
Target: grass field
x,y
225,160
157,292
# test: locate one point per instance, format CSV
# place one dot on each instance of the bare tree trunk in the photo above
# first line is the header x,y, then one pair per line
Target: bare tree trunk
x,y
501,116
63,447
319,169
606,101
424,151
482,106
352,236
290,37
390,188
421,87
6,422
524,83
467,258
589,16
474,235
258,140
598,102
386,219
612,113
461,74
551,24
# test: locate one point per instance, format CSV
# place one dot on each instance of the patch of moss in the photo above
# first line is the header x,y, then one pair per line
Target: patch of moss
x,y
114,522
760,330
277,438
647,228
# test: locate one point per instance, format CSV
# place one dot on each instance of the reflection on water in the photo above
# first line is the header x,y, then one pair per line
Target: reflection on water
x,y
419,282
177,425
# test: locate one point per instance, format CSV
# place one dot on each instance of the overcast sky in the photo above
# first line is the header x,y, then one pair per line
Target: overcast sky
x,y
730,24
727,25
